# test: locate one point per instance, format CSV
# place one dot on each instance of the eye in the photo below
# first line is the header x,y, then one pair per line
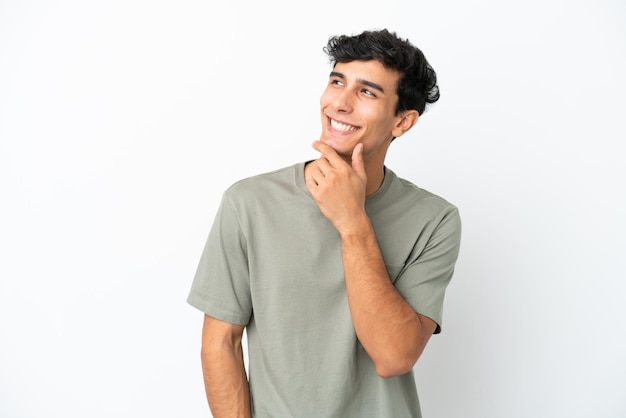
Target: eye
x,y
368,92
336,82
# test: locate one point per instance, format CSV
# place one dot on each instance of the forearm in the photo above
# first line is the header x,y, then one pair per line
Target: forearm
x,y
225,380
387,326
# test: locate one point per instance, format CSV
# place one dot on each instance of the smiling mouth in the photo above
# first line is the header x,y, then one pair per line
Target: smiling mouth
x,y
342,127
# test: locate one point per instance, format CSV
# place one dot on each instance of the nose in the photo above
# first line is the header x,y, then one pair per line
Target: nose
x,y
342,102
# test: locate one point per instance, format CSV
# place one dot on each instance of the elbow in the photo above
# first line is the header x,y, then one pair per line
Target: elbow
x,y
207,354
213,350
394,367
398,361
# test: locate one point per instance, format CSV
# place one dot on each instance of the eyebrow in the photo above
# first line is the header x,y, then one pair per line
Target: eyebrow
x,y
364,82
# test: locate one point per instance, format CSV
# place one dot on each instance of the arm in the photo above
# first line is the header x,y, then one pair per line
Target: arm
x,y
223,368
391,332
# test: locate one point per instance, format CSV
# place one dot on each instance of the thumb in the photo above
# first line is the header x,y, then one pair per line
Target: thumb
x,y
357,161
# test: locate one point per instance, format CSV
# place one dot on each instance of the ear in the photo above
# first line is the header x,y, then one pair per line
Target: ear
x,y
407,120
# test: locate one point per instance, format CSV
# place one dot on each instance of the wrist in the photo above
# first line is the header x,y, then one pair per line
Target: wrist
x,y
357,230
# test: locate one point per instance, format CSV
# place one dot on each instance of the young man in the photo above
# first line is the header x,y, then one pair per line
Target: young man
x,y
336,268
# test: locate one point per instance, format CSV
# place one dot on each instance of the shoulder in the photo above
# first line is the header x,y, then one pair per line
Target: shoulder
x,y
263,181
263,190
410,195
429,213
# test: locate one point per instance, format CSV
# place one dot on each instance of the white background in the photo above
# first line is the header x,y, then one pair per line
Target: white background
x,y
121,122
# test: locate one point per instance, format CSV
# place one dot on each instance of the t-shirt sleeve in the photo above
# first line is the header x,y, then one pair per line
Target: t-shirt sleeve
x,y
424,279
221,286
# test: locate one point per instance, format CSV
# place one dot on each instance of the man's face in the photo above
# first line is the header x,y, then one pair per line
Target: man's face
x,y
358,105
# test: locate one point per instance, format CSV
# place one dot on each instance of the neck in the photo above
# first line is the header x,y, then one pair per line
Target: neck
x,y
375,169
375,177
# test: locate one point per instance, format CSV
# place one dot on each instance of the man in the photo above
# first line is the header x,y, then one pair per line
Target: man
x,y
336,268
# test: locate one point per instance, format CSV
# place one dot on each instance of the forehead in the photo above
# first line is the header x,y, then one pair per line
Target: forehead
x,y
372,71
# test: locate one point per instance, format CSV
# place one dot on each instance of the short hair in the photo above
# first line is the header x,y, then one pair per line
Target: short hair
x,y
417,86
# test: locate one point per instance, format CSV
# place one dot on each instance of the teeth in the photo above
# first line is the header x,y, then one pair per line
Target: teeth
x,y
341,126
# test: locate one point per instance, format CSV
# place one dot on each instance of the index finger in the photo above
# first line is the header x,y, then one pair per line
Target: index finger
x,y
327,152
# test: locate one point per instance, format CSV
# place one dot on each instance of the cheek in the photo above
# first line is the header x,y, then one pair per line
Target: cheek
x,y
376,120
325,98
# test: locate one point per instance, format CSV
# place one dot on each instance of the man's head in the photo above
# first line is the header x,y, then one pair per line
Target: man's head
x,y
417,85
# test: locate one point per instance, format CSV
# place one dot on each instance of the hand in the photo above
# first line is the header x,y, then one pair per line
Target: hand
x,y
338,187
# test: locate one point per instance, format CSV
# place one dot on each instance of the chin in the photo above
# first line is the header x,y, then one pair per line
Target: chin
x,y
341,146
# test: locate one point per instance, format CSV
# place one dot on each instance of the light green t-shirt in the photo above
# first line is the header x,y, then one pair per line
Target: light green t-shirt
x,y
273,262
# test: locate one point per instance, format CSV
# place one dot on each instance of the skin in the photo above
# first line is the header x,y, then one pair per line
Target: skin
x,y
225,379
361,95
